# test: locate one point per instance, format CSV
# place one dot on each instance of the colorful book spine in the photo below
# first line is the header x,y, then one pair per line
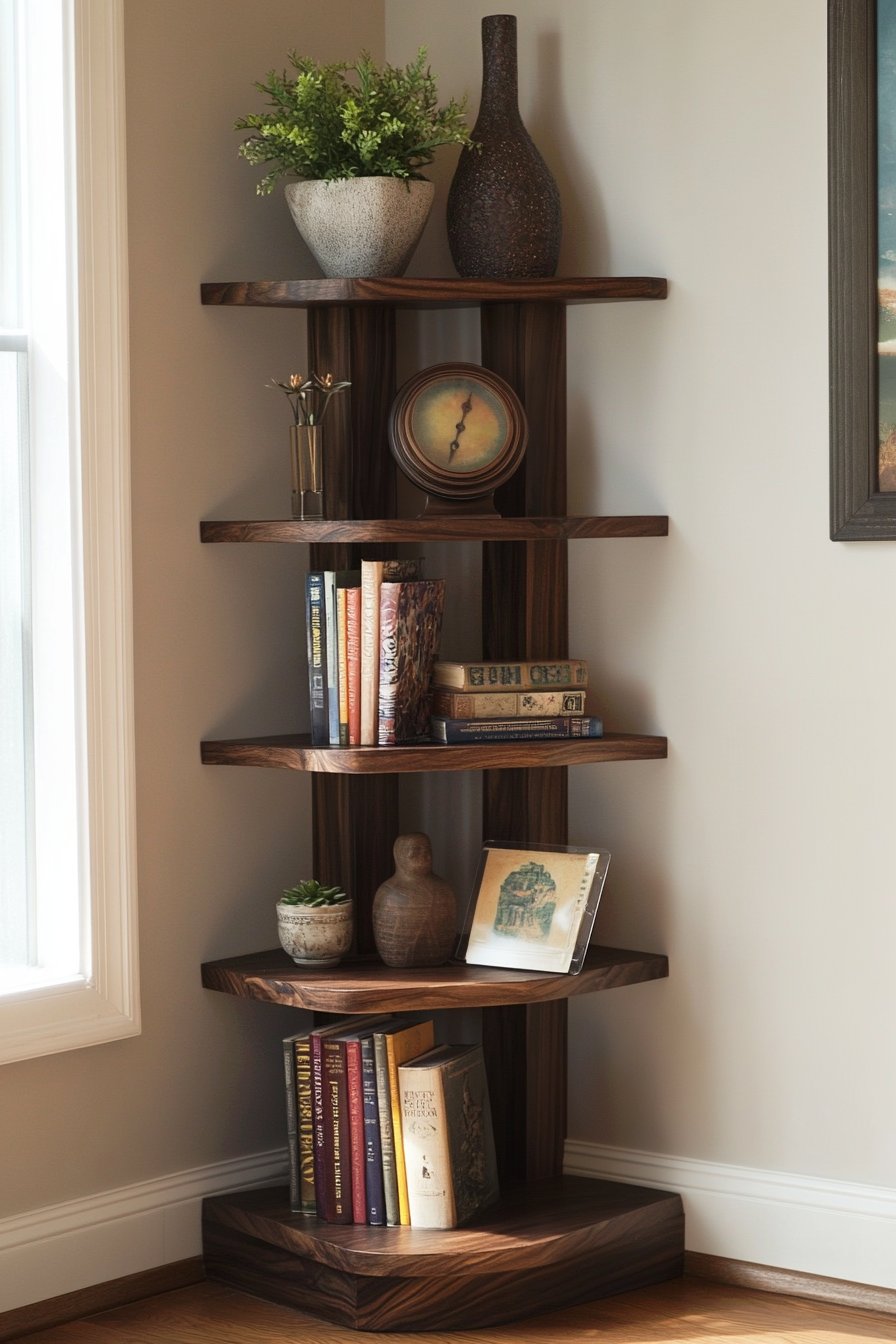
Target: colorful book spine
x,y
373,1158
356,1130
515,730
499,704
315,626
332,658
387,1138
353,657
373,572
332,1204
342,655
292,1125
337,1142
521,676
307,1202
410,630
402,1045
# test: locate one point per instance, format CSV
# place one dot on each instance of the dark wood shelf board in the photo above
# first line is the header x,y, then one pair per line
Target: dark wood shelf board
x,y
369,986
446,528
547,1244
296,753
419,292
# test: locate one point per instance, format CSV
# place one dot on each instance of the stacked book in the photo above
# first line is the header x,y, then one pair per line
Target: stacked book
x,y
385,1128
511,701
373,635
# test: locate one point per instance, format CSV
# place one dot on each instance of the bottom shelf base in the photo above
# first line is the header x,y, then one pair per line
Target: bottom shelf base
x,y
545,1246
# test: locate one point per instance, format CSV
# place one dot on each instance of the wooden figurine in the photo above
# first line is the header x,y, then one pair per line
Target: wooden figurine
x,y
414,911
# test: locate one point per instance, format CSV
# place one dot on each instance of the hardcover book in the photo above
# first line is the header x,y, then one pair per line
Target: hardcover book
x,y
315,628
292,1124
373,574
332,1135
500,704
396,1046
449,1146
334,579
373,1157
302,1050
410,630
516,730
521,676
353,658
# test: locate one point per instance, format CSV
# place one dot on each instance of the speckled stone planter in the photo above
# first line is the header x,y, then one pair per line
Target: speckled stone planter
x,y
318,935
361,225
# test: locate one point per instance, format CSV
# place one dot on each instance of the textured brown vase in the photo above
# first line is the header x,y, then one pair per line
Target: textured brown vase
x,y
504,216
414,912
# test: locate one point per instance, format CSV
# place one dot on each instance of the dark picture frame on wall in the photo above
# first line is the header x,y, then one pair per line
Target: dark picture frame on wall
x,y
862,268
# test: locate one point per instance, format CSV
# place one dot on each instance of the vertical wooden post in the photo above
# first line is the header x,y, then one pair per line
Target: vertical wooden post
x,y
355,817
525,596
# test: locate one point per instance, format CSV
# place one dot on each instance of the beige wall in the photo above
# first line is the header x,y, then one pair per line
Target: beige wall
x,y
689,140
218,631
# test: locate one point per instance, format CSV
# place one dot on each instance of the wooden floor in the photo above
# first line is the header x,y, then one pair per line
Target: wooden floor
x,y
686,1309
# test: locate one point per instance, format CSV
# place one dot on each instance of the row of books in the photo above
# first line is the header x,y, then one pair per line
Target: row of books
x,y
375,678
373,635
508,701
385,1128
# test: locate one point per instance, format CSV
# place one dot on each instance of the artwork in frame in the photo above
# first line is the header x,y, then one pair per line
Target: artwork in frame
x,y
862,267
533,907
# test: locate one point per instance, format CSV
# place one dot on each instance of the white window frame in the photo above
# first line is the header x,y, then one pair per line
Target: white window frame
x,y
101,1004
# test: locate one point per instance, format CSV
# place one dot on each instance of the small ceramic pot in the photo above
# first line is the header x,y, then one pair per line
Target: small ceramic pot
x,y
361,225
316,935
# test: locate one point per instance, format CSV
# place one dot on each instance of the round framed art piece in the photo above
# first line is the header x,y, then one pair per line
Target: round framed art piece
x,y
458,431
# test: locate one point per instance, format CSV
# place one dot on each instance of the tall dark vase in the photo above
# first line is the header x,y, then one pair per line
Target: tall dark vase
x,y
504,218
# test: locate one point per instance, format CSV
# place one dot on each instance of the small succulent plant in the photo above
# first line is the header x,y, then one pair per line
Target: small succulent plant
x,y
312,893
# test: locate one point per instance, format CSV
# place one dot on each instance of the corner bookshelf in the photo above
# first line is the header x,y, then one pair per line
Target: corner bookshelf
x,y
552,1240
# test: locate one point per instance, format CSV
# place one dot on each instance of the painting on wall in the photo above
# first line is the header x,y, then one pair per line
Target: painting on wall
x,y
862,205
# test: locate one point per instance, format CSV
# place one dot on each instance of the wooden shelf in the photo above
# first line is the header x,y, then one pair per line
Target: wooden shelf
x,y
565,1241
447,528
431,292
297,753
370,987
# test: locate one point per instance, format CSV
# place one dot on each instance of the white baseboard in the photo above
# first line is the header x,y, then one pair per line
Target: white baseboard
x,y
71,1246
801,1223
815,1226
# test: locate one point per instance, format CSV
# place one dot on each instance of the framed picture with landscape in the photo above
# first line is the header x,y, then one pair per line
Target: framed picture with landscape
x,y
862,267
533,907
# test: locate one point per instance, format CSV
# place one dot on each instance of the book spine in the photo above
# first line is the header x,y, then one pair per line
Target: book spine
x,y
356,1130
515,730
389,652
307,1202
373,1158
400,1047
522,676
371,580
323,1178
342,663
315,626
292,1126
426,1152
387,1138
353,656
506,704
332,661
336,1122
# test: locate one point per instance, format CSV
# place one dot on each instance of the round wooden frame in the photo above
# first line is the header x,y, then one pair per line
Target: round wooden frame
x,y
457,431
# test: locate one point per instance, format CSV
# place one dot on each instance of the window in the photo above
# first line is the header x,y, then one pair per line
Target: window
x,y
67,879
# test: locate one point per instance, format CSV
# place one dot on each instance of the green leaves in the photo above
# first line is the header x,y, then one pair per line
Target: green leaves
x,y
337,121
313,894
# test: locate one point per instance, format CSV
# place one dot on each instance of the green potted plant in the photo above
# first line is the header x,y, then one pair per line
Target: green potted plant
x,y
356,137
315,923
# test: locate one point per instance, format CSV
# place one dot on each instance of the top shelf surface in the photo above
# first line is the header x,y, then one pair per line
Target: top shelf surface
x,y
431,292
